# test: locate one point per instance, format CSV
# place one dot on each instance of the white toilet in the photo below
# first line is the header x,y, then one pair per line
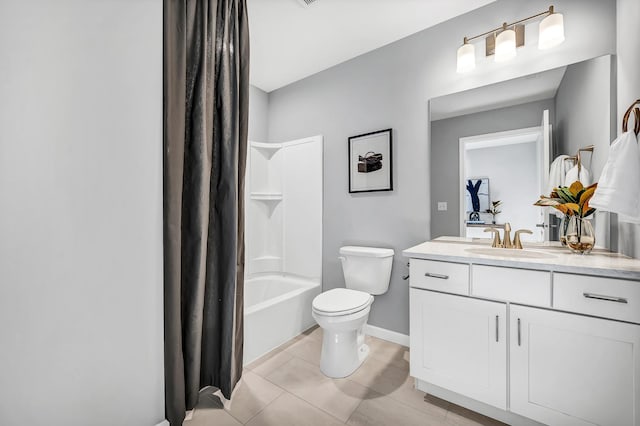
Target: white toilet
x,y
342,312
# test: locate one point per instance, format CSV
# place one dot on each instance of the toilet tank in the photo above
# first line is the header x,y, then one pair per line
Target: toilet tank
x,y
367,269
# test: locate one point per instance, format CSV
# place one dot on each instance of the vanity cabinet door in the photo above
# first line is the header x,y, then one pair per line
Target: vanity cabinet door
x,y
569,369
459,343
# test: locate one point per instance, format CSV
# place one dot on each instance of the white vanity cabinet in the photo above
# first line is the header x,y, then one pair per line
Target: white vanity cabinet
x,y
538,345
569,369
460,343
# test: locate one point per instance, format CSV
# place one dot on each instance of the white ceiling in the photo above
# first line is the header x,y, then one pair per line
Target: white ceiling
x,y
290,41
531,88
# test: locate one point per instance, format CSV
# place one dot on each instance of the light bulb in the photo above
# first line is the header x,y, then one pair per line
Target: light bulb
x,y
505,46
466,58
551,31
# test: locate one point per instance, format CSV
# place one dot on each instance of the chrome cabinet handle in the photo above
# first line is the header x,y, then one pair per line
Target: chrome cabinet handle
x,y
519,334
603,297
440,276
497,328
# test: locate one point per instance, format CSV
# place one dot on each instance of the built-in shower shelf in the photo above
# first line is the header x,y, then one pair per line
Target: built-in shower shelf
x,y
284,208
266,196
266,149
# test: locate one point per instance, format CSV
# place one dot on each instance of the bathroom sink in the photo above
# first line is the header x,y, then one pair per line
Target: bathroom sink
x,y
513,253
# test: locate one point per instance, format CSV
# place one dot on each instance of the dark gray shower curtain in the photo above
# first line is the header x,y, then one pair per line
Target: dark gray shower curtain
x,y
206,86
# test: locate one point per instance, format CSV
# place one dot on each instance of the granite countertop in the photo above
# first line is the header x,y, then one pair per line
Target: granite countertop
x,y
549,256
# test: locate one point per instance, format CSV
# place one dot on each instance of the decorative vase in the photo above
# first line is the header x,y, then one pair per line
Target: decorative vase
x,y
564,224
580,237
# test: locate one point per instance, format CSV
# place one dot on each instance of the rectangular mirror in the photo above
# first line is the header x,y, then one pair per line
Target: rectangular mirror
x,y
509,133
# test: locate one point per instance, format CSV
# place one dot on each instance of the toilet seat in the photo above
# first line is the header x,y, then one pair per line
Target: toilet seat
x,y
341,301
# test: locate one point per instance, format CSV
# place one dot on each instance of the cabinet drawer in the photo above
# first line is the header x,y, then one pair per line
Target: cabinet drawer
x,y
603,297
440,276
515,285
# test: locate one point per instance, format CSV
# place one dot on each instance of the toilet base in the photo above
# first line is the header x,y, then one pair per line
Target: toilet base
x,y
343,347
342,352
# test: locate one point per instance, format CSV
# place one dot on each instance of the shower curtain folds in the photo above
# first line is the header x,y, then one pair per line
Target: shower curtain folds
x,y
206,86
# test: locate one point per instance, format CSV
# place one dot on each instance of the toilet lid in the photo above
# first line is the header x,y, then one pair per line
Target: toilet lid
x,y
341,300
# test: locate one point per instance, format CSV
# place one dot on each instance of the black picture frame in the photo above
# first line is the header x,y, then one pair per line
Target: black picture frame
x,y
370,157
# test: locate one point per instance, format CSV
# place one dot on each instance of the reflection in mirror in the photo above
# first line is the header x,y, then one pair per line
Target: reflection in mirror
x,y
513,159
509,133
476,198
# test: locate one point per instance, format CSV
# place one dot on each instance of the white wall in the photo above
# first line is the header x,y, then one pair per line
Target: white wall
x,y
81,212
390,87
628,66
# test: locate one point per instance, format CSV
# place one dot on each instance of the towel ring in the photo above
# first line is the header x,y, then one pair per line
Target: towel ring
x,y
627,115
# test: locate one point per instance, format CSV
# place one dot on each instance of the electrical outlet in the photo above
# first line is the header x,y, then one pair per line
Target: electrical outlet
x,y
442,206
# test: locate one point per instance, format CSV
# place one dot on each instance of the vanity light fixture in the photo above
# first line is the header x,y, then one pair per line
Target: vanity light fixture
x,y
504,40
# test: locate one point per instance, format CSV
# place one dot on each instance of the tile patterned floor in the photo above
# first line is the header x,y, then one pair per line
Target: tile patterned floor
x,y
286,387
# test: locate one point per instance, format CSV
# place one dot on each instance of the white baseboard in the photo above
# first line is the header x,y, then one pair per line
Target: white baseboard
x,y
163,423
388,335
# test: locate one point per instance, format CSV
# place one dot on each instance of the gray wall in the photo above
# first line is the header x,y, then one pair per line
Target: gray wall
x,y
258,115
583,111
390,87
628,64
444,158
81,330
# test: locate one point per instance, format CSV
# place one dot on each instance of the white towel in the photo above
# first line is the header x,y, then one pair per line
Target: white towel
x,y
557,172
619,186
572,176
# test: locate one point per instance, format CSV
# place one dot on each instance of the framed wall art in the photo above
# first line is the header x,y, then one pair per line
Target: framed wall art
x,y
370,162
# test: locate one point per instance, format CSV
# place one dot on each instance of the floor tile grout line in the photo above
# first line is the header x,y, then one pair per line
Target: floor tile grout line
x,y
354,411
321,409
263,408
292,394
396,398
305,361
347,378
446,419
357,383
311,403
314,406
272,401
279,352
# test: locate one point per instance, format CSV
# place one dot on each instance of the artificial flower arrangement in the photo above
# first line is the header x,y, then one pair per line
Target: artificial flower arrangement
x,y
570,200
573,202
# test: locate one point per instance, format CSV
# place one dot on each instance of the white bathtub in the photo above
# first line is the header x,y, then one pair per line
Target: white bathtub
x,y
276,309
